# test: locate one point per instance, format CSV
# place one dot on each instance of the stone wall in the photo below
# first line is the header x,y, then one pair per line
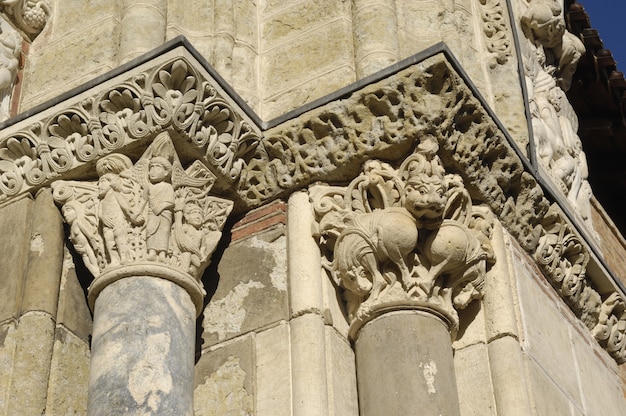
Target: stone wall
x,y
45,324
540,330
525,353
278,55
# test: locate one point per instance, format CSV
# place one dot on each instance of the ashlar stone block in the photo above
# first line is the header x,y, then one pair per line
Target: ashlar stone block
x,y
250,294
546,333
224,380
273,372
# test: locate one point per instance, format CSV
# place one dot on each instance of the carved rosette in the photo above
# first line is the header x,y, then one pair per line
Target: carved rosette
x,y
28,16
406,238
172,96
148,218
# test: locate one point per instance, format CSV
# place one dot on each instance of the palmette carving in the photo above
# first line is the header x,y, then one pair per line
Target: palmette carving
x,y
172,96
152,211
404,238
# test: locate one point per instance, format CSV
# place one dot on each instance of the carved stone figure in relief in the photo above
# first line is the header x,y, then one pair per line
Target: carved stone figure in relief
x,y
10,47
150,211
159,196
195,234
83,233
114,208
556,48
550,60
404,237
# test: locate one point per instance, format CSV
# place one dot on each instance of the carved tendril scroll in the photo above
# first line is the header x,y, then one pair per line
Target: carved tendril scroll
x,y
404,238
171,96
152,212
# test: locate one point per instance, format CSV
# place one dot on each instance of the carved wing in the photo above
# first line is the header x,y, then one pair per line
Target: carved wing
x,y
79,205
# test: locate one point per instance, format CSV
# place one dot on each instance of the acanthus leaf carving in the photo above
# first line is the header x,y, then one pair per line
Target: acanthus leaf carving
x,y
404,238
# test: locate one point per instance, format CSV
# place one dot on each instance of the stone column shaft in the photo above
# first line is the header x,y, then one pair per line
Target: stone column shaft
x,y
375,35
405,366
143,349
143,27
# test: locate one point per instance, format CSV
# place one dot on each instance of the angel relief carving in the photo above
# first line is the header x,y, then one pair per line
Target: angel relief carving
x,y
405,238
152,211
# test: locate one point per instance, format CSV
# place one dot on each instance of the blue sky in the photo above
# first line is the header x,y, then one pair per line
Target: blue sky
x,y
609,18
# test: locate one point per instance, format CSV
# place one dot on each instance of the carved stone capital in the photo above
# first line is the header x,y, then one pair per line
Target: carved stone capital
x,y
405,238
27,16
148,218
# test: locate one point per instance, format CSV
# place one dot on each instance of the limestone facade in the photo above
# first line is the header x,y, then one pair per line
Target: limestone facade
x,y
301,208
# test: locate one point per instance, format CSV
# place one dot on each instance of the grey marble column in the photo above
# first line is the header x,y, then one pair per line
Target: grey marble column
x,y
142,349
405,366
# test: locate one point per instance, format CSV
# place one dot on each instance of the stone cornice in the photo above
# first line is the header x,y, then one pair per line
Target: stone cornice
x,y
171,92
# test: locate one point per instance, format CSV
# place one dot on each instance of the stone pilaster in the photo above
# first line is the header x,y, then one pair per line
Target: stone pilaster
x,y
146,232
409,249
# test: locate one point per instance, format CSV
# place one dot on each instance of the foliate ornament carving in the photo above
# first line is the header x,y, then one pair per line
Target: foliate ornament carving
x,y
561,256
29,16
495,29
152,214
172,96
610,331
406,238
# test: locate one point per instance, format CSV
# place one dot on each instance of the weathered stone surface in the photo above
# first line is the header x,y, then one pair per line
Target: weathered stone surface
x,y
273,372
473,377
600,385
73,312
142,349
309,379
330,45
34,338
224,380
424,376
7,361
546,395
341,370
14,220
547,334
300,18
250,294
69,375
82,56
510,378
45,256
